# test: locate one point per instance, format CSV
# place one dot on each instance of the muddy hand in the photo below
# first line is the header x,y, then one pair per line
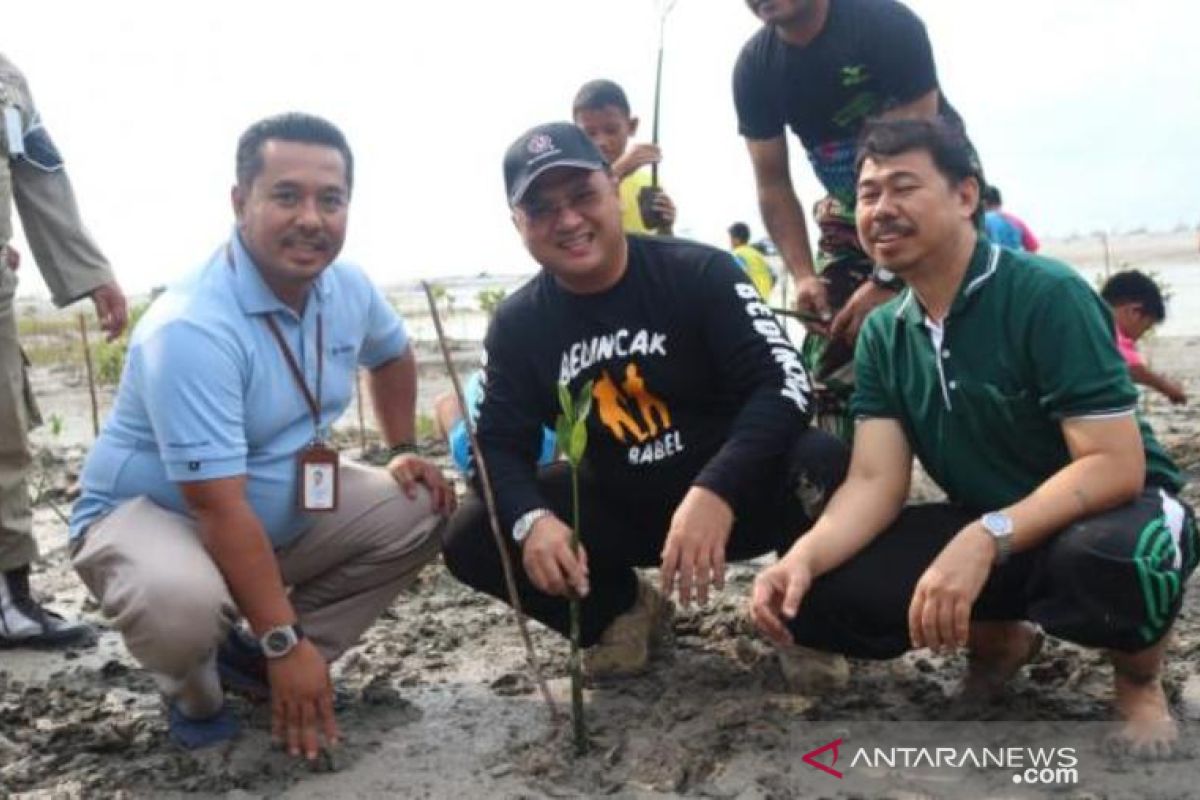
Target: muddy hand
x,y
665,209
776,597
636,157
302,701
694,553
550,564
812,300
410,471
849,320
939,616
111,309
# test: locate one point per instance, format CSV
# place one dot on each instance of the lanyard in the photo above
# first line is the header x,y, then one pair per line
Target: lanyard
x,y
314,403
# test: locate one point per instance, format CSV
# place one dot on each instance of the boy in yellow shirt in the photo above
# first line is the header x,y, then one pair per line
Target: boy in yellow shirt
x,y
602,110
750,260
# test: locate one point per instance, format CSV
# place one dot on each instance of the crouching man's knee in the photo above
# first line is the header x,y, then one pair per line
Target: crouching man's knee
x,y
1115,580
170,624
467,542
819,463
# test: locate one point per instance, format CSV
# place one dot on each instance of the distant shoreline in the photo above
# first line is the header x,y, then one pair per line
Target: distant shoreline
x,y
1084,251
1132,249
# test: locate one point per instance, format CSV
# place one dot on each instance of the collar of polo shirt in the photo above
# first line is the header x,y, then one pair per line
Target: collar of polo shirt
x,y
984,260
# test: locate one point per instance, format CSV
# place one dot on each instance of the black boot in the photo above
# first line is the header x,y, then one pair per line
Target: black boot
x,y
25,623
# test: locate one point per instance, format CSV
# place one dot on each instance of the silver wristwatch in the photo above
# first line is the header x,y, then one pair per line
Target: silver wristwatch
x,y
278,642
524,523
1000,526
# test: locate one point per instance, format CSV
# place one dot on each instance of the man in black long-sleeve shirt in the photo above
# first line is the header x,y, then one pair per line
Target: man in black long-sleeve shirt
x,y
698,441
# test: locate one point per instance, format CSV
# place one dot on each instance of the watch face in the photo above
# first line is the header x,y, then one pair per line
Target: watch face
x,y
997,524
277,641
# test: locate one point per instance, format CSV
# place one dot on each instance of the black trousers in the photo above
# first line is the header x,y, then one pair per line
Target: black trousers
x,y
1114,580
620,532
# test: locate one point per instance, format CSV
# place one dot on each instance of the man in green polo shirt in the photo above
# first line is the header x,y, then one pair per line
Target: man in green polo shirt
x,y
999,371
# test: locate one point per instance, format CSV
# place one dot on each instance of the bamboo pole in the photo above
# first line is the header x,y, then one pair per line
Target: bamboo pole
x,y
797,314
91,378
664,10
489,499
1107,255
362,425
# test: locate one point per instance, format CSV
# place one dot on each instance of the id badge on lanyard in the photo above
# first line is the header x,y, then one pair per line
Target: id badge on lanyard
x,y
317,473
317,466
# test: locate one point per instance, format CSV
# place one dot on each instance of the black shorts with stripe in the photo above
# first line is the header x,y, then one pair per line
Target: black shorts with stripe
x,y
1114,580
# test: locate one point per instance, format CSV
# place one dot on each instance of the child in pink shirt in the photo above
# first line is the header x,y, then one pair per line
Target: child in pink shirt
x,y
1137,306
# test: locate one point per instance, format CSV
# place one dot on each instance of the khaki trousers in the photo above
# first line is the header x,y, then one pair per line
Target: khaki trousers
x,y
157,584
18,413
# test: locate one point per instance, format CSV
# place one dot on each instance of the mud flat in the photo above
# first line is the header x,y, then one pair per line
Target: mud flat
x,y
436,703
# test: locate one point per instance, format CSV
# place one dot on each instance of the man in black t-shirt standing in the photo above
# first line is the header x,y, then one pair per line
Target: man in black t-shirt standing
x,y
823,68
699,446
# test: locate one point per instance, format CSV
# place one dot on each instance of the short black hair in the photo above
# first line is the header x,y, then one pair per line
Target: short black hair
x,y
740,231
1134,286
598,94
293,126
991,196
947,145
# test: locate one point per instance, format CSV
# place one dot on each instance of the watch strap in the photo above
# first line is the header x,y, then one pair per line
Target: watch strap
x,y
294,633
1000,527
524,524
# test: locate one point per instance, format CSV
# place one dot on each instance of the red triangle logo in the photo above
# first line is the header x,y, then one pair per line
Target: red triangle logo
x,y
810,758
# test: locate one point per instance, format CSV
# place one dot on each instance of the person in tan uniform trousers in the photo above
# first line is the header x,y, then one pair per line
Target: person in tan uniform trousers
x,y
33,180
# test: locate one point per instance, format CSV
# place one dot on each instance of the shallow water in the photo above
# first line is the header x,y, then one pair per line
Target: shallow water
x,y
1181,280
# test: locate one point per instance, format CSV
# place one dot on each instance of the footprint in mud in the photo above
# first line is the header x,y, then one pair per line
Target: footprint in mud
x,y
512,684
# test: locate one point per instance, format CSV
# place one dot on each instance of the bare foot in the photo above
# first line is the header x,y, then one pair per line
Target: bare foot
x,y
998,650
1149,732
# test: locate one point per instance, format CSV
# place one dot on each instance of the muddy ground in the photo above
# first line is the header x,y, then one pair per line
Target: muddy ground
x,y
436,703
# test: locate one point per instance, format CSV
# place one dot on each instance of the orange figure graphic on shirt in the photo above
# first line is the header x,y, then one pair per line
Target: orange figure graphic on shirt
x,y
611,408
647,404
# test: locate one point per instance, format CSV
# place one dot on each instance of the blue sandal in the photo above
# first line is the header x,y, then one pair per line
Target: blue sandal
x,y
193,734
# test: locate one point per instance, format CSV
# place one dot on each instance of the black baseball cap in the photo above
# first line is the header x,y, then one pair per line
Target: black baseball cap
x,y
542,148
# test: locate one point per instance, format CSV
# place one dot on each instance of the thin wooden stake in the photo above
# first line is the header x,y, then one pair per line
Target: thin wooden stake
x,y
362,425
489,499
91,378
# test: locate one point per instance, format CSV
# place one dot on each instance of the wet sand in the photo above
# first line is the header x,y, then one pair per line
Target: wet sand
x,y
438,704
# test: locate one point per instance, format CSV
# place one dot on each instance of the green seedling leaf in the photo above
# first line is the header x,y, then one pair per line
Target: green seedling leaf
x,y
564,402
562,429
578,441
583,404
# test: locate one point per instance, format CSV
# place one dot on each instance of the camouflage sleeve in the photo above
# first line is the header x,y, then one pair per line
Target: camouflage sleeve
x,y
69,260
66,255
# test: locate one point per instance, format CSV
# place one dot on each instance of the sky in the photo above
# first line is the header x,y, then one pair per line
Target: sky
x,y
1085,112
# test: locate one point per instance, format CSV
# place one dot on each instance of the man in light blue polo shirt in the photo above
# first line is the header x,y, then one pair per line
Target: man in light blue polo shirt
x,y
206,496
